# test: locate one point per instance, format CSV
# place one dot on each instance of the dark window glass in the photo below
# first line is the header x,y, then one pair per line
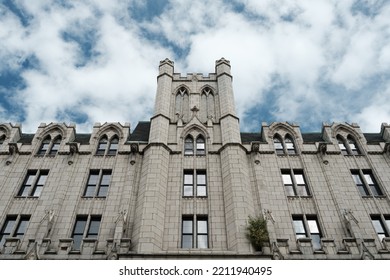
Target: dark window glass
x,y
102,146
189,146
113,146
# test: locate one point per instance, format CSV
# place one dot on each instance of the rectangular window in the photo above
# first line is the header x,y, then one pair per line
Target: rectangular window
x,y
85,227
295,183
194,227
14,226
196,178
33,183
381,226
307,226
366,183
98,183
187,233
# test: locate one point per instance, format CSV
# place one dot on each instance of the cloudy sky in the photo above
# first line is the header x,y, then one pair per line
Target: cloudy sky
x,y
87,61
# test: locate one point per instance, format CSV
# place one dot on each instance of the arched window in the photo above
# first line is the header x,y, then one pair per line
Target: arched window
x,y
278,145
200,146
55,146
2,139
44,146
189,146
352,146
113,146
290,147
342,146
102,146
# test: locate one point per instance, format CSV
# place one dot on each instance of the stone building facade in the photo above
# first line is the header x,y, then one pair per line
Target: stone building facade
x,y
184,184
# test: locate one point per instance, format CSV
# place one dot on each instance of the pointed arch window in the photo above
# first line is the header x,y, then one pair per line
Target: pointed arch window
x,y
102,146
342,146
284,146
349,146
200,146
278,145
352,146
189,146
44,146
55,146
290,146
112,150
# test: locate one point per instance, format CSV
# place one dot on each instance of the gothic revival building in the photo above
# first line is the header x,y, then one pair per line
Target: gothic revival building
x,y
184,184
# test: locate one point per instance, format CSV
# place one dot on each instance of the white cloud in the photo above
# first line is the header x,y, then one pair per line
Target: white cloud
x,y
325,54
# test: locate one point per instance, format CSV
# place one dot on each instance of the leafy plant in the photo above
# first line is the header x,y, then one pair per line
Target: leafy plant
x,y
257,232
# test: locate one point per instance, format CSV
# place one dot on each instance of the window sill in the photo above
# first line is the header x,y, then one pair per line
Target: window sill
x,y
26,197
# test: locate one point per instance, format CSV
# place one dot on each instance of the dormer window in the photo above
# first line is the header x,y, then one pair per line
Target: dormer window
x,y
349,146
106,147
50,147
284,146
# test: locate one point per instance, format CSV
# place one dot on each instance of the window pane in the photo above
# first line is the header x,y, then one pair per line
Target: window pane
x,y
201,179
188,179
357,179
42,179
378,226
202,226
301,190
368,178
21,230
103,190
287,179
202,241
93,179
80,226
94,227
89,191
187,226
30,179
201,191
299,227
316,241
77,242
299,178
9,225
37,192
106,178
188,190
313,226
290,190
187,241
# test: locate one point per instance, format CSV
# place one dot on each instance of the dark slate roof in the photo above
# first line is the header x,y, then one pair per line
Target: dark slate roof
x,y
312,137
247,137
373,138
141,132
82,138
26,138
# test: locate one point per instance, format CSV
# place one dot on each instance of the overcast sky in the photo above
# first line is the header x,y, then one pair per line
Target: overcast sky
x,y
90,61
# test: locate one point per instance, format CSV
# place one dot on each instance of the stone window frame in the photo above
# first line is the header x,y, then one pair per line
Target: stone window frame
x,y
367,186
295,184
307,226
50,145
194,233
35,187
84,227
348,145
194,185
97,186
193,145
105,145
284,145
17,230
